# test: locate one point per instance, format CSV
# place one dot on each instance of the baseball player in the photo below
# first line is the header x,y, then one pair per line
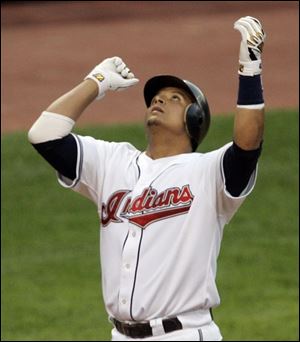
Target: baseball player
x,y
162,210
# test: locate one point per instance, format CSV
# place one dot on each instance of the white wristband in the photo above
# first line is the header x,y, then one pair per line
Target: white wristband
x,y
50,126
255,106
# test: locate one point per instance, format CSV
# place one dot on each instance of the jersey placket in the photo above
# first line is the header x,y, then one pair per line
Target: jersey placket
x,y
133,244
128,274
131,253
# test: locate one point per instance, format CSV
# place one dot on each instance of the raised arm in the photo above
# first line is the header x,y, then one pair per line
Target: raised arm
x,y
50,134
74,102
249,119
241,158
111,74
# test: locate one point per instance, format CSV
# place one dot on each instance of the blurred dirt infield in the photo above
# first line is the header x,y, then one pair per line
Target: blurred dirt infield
x,y
48,48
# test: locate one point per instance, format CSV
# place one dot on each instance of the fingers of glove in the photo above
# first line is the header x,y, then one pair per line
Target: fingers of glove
x,y
116,67
121,67
242,30
133,81
117,61
128,83
125,72
256,28
253,28
108,64
130,75
248,25
254,20
250,20
251,37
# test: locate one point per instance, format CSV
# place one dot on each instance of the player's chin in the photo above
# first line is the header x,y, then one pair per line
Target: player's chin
x,y
153,120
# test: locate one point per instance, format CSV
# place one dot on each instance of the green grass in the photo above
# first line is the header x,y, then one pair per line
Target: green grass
x,y
50,259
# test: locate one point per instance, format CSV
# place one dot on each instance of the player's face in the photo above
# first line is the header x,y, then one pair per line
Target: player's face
x,y
168,108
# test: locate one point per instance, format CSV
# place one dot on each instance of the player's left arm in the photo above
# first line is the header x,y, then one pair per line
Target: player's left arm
x,y
249,118
241,158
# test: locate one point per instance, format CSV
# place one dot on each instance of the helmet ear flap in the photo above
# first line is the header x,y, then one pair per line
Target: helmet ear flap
x,y
194,118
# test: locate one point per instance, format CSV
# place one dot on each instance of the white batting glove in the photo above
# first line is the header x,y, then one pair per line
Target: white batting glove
x,y
251,47
113,74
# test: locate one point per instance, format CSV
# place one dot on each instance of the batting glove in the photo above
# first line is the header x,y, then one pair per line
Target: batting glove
x,y
112,74
251,47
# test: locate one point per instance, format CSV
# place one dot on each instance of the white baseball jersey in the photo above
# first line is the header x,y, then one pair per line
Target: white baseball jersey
x,y
161,226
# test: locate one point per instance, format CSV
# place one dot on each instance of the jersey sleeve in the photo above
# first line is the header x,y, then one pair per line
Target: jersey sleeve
x,y
225,203
94,158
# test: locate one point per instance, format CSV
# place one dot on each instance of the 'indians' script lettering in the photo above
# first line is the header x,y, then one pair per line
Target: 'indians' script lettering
x,y
148,207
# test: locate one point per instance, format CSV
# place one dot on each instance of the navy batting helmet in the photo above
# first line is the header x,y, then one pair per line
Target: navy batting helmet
x,y
197,114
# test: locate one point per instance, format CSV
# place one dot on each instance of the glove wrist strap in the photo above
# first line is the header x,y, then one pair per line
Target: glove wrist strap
x,y
102,82
250,68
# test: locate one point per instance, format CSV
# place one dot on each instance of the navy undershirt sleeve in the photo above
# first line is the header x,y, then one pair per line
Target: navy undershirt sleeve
x,y
61,154
238,165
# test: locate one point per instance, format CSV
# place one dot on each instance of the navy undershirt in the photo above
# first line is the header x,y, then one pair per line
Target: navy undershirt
x,y
238,164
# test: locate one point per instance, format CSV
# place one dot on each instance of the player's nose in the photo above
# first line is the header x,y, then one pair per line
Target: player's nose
x,y
158,99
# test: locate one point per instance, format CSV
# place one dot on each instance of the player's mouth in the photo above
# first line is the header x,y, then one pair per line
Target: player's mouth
x,y
156,109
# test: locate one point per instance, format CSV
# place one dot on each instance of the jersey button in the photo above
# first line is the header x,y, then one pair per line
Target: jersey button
x,y
124,301
133,234
127,266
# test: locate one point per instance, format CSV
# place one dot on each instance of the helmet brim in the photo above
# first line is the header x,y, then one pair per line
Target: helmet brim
x,y
155,84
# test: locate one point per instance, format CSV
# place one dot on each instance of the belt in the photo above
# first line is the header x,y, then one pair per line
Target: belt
x,y
142,330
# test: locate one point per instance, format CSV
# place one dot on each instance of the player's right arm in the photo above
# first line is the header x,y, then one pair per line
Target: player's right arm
x,y
73,103
51,133
241,158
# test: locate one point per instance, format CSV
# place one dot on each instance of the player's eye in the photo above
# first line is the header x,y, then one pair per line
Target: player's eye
x,y
176,97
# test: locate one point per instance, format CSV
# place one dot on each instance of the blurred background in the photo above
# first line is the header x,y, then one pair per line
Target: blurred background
x,y
48,47
50,270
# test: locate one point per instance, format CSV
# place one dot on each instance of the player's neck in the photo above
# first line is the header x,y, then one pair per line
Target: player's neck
x,y
164,142
158,149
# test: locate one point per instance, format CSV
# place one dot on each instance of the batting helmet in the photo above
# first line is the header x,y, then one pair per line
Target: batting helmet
x,y
197,113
